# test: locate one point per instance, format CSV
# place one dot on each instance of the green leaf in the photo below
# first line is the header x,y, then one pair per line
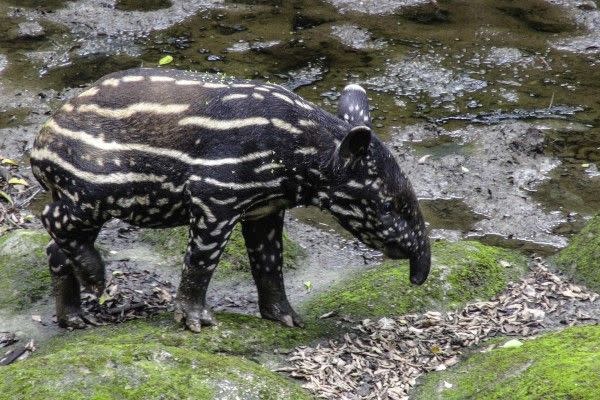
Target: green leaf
x,y
17,181
6,196
165,60
104,298
8,161
308,285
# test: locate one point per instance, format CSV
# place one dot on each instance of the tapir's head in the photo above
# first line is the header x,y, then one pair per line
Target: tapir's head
x,y
373,199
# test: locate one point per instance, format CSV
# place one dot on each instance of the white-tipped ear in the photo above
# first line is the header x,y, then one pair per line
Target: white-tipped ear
x,y
356,143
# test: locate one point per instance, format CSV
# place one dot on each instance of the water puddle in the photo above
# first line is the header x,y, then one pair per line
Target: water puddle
x,y
451,213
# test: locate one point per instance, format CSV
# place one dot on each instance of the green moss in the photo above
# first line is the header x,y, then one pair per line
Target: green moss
x,y
235,334
580,257
173,242
157,358
24,275
144,370
564,365
461,272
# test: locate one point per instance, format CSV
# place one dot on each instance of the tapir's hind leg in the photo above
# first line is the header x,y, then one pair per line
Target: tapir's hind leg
x,y
264,242
72,258
66,288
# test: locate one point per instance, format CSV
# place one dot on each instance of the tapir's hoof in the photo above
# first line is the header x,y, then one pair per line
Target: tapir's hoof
x,y
194,317
281,312
72,320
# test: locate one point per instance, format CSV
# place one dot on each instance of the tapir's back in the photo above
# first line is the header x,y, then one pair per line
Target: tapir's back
x,y
151,130
184,111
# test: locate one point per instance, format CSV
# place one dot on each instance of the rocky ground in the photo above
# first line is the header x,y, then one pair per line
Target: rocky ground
x,y
492,111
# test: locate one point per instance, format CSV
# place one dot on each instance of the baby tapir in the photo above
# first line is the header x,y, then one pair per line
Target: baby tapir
x,y
162,148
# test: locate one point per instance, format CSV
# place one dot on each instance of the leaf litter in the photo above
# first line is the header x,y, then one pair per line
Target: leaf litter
x,y
129,294
382,359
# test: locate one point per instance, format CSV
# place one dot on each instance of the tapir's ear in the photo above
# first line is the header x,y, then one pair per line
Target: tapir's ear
x,y
356,143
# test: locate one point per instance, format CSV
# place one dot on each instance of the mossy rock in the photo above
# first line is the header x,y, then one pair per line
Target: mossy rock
x,y
563,365
172,243
235,334
461,272
24,275
147,369
581,258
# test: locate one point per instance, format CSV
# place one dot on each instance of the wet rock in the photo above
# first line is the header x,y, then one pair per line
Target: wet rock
x,y
112,30
227,29
243,46
356,38
3,62
504,168
30,30
305,76
587,15
539,15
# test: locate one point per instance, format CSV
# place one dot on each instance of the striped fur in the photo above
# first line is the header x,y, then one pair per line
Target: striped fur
x,y
160,148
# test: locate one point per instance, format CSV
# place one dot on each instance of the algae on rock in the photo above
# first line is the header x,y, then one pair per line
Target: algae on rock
x,y
581,258
461,272
141,370
172,242
24,274
563,365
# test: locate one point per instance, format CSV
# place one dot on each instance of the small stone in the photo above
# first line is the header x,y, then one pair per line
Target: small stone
x,y
512,344
30,30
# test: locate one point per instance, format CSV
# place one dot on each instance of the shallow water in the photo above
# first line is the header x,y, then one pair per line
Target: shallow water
x,y
467,62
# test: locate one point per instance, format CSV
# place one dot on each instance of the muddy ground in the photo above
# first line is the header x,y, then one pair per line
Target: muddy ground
x,y
491,108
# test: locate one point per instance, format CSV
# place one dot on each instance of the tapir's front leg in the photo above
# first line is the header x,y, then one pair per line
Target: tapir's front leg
x,y
208,237
265,250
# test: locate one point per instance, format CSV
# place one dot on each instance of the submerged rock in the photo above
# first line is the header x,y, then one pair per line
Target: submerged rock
x,y
30,30
356,38
500,56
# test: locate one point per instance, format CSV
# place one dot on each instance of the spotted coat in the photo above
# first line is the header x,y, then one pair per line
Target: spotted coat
x,y
161,148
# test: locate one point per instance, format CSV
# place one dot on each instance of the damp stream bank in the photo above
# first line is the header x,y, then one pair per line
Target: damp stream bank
x,y
491,108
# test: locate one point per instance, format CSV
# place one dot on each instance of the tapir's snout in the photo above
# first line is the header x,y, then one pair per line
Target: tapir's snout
x,y
420,265
420,262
